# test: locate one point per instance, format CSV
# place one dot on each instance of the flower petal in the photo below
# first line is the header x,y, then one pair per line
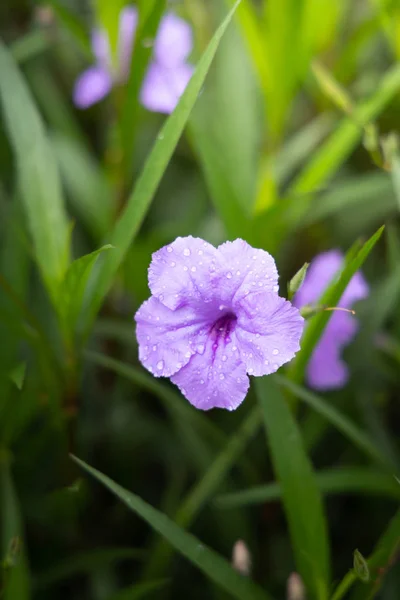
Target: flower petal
x,y
174,41
215,379
246,269
180,273
93,85
268,331
326,370
167,339
101,48
321,272
162,87
128,20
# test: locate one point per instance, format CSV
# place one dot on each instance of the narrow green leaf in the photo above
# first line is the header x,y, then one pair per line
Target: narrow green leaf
x,y
38,175
300,493
297,280
338,146
17,584
358,437
17,375
73,24
74,285
108,17
84,563
360,566
209,562
139,201
354,480
140,590
330,298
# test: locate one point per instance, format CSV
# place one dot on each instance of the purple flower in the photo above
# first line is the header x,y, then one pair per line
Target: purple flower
x,y
326,370
167,75
215,317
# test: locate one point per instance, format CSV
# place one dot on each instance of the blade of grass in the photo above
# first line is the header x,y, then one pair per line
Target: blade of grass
x,y
202,491
301,496
15,565
358,437
330,297
139,201
140,590
38,174
346,480
209,562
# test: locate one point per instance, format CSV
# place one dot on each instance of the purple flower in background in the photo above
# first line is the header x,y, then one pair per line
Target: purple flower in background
x,y
167,75
326,370
215,317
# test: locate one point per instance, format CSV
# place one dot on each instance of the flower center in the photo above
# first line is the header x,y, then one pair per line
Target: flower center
x,y
222,328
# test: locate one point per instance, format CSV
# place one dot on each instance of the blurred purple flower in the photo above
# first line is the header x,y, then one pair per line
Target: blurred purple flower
x,y
326,370
215,317
167,75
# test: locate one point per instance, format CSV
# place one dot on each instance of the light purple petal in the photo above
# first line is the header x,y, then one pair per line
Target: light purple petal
x,y
127,28
93,85
326,371
268,331
174,41
181,272
101,49
215,379
167,339
162,87
321,272
246,269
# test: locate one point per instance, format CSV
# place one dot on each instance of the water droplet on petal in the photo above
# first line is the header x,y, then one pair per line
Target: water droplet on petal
x,y
173,264
275,351
160,365
169,248
224,357
237,272
266,361
257,335
154,347
185,268
193,269
200,252
161,297
221,307
200,348
229,275
186,252
250,371
221,376
188,354
202,381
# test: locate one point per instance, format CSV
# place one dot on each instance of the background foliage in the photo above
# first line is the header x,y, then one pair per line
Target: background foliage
x,y
286,137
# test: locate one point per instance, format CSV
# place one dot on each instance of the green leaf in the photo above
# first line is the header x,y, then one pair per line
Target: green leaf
x,y
108,17
330,298
38,175
297,281
343,140
17,375
140,590
209,562
343,480
73,24
17,583
336,418
84,563
74,285
139,201
300,493
360,566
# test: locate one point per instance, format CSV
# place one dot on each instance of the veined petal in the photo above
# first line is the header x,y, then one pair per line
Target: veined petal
x,y
167,339
91,87
245,270
174,41
215,379
163,86
180,273
268,331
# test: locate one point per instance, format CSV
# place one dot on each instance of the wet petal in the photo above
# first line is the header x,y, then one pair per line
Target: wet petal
x,y
215,379
127,28
162,87
167,339
268,331
246,269
91,87
174,41
180,272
